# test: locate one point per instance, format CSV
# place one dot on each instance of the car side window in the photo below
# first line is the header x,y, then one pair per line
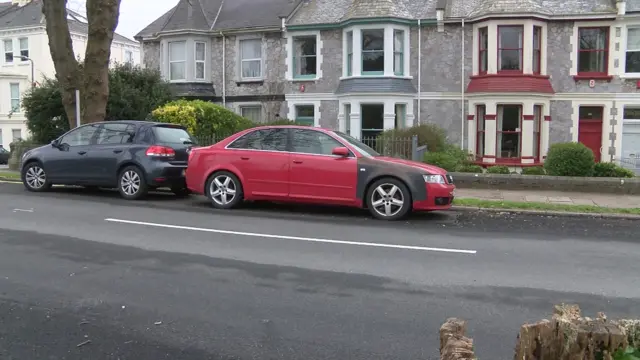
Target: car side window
x,y
266,139
79,137
313,142
112,134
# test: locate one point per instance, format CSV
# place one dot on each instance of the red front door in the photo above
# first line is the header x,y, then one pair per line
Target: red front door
x,y
590,134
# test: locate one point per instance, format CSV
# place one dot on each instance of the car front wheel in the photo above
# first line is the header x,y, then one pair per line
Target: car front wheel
x,y
224,190
34,177
389,199
131,183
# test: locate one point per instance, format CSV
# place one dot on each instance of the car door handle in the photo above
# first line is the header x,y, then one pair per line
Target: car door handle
x,y
117,151
244,157
297,161
82,152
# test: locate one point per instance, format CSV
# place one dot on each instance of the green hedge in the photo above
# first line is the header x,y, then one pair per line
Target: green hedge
x,y
607,169
449,158
569,159
534,170
498,169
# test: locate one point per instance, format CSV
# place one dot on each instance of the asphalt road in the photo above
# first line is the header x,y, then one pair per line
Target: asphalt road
x,y
86,275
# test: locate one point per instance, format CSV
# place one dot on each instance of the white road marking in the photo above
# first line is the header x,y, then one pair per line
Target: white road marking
x,y
285,237
23,210
10,182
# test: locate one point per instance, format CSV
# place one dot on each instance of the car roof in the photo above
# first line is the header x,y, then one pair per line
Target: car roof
x,y
135,122
302,127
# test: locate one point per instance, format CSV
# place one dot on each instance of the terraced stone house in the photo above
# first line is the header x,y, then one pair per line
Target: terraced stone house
x,y
505,78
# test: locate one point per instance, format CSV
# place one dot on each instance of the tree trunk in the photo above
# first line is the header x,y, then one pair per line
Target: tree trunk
x,y
103,20
61,48
93,79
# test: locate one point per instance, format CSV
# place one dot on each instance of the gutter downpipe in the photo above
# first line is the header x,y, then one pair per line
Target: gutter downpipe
x,y
224,68
419,69
462,117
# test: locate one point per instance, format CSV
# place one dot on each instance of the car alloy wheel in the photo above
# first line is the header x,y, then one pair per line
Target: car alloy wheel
x,y
223,190
130,182
35,177
387,200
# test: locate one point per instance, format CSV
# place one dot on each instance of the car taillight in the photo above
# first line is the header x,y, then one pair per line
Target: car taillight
x,y
161,151
191,152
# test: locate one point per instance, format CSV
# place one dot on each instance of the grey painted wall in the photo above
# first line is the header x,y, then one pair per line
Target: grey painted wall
x,y
561,123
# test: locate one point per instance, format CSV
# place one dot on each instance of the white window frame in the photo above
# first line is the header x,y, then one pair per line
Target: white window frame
x,y
292,107
239,76
128,56
23,49
4,47
14,109
492,45
291,36
196,61
13,138
177,61
241,106
356,68
573,56
625,49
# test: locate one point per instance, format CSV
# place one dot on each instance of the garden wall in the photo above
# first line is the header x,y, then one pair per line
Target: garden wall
x,y
630,186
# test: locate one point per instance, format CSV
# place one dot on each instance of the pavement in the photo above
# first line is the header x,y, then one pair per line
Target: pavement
x,y
553,197
87,275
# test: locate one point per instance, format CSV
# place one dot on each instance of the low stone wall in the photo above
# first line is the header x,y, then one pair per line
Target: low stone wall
x,y
630,186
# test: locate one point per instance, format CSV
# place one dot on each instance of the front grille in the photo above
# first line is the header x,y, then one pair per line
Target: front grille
x,y
449,179
443,200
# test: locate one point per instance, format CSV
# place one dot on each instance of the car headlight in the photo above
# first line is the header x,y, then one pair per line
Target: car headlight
x,y
434,179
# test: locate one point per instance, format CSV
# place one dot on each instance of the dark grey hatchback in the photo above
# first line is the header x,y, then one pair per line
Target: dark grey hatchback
x,y
133,156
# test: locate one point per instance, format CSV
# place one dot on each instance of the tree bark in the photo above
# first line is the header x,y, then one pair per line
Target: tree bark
x,y
103,20
93,78
61,48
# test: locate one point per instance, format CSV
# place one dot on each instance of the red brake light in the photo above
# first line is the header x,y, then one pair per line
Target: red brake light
x,y
161,151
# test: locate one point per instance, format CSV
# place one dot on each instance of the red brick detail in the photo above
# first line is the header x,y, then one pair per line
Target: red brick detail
x,y
470,117
508,83
596,77
489,156
547,118
527,117
528,157
490,117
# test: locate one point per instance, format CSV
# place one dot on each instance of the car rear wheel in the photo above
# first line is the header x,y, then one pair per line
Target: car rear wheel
x,y
224,190
34,178
131,183
389,199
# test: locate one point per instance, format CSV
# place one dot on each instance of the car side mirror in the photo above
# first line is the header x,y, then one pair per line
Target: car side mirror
x,y
55,143
340,151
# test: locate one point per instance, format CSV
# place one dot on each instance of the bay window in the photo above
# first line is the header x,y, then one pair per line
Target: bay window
x,y
305,114
177,60
632,56
481,110
349,53
537,127
398,52
373,52
305,56
537,49
199,60
508,131
593,50
510,41
483,55
250,59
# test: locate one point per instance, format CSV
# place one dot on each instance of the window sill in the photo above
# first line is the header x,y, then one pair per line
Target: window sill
x,y
304,79
24,63
630,76
375,76
249,81
509,75
515,162
604,77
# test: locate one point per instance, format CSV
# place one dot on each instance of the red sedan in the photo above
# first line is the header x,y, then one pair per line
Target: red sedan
x,y
313,165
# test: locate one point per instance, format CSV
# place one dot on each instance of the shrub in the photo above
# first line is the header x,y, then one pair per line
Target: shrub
x,y
133,93
498,169
281,121
203,119
470,168
533,170
428,134
449,158
608,169
569,159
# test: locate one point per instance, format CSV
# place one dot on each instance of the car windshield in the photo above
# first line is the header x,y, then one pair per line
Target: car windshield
x,y
3,150
173,135
360,147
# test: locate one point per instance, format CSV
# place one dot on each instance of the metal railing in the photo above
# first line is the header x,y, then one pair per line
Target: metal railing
x,y
398,147
632,163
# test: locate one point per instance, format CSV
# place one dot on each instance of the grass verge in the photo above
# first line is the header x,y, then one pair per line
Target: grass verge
x,y
537,206
9,175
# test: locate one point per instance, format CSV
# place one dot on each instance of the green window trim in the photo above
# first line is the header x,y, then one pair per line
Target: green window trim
x,y
305,120
349,64
309,117
398,52
372,73
294,60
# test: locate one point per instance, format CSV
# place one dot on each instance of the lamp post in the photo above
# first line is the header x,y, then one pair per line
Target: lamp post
x,y
33,83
